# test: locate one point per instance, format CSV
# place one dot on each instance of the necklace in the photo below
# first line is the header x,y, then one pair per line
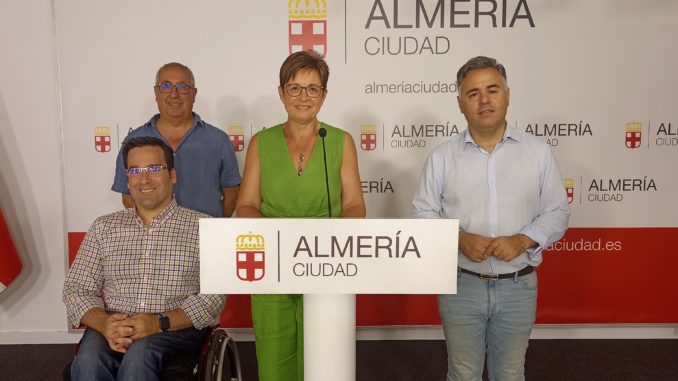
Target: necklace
x,y
301,160
302,157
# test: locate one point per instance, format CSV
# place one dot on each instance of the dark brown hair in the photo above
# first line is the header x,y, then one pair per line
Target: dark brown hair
x,y
147,141
304,60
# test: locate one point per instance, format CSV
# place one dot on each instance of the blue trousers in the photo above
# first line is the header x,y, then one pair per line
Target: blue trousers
x,y
488,317
144,359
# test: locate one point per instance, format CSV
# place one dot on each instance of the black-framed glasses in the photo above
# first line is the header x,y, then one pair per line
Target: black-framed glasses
x,y
166,87
152,170
313,91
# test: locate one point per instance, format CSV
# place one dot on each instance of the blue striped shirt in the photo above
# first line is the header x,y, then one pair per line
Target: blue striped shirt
x,y
515,189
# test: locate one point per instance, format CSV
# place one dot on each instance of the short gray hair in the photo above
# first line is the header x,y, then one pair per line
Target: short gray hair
x,y
175,64
480,62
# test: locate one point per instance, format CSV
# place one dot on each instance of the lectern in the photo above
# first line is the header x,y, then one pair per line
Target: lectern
x,y
329,261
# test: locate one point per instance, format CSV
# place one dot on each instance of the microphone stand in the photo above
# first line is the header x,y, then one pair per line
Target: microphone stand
x,y
330,354
322,132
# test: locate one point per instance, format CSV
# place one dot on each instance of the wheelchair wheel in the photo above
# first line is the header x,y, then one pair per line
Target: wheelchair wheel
x,y
222,361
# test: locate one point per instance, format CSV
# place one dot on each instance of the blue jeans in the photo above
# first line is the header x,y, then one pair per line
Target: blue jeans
x,y
493,317
144,359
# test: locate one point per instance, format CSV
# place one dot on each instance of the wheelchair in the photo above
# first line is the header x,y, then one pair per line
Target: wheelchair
x,y
218,360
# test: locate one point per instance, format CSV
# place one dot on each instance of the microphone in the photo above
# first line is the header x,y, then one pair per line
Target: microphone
x,y
322,132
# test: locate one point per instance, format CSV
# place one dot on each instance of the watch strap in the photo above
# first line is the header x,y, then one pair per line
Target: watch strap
x,y
164,322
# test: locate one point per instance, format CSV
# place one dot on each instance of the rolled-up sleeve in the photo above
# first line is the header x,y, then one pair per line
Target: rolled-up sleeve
x,y
554,212
204,309
229,175
82,288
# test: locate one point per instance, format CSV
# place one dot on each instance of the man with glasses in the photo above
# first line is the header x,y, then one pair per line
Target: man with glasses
x,y
135,282
208,174
505,188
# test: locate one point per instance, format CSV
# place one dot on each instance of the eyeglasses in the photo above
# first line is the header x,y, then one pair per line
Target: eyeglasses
x,y
313,91
166,87
152,170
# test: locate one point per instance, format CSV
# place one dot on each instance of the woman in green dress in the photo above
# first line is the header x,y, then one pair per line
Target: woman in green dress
x,y
284,176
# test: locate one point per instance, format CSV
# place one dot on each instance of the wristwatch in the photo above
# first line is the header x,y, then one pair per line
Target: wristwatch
x,y
164,322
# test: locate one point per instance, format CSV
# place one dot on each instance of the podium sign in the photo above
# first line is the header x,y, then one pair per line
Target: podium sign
x,y
328,256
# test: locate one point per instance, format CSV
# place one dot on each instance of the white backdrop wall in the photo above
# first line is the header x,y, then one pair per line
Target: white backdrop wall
x,y
600,64
31,181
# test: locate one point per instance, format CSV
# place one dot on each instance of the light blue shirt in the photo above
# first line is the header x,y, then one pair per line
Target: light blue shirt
x,y
516,188
204,161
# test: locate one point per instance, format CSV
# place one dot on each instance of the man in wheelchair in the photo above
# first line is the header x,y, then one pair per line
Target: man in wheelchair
x,y
135,281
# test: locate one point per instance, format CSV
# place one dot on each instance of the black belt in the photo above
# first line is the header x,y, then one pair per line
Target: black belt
x,y
525,271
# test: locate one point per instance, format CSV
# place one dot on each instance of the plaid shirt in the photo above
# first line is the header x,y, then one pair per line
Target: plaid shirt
x,y
124,266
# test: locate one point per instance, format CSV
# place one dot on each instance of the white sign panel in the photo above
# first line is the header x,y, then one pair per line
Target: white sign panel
x,y
328,256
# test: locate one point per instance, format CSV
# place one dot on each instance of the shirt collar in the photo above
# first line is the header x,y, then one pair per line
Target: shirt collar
x,y
197,121
509,133
161,217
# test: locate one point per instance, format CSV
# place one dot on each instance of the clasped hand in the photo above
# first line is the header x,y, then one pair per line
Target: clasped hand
x,y
122,330
478,248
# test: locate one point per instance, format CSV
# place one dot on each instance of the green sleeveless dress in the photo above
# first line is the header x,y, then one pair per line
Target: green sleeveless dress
x,y
278,319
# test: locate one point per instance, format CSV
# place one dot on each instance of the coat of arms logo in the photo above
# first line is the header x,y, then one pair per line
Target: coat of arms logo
x,y
308,25
368,137
102,139
634,131
250,257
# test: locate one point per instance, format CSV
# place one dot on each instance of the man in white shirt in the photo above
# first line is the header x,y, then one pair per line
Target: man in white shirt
x,y
505,188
